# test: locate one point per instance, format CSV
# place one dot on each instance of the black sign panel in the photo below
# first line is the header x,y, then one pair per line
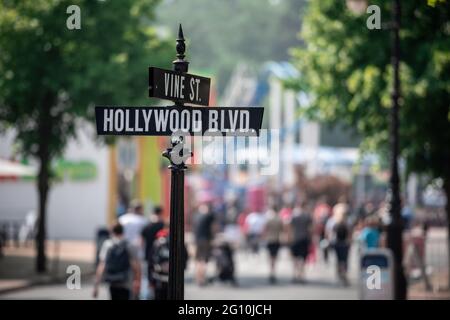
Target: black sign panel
x,y
179,87
163,121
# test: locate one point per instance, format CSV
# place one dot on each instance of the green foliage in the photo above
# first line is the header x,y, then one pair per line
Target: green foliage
x,y
347,69
55,75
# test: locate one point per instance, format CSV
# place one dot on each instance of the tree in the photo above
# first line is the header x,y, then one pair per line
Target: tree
x,y
53,76
346,68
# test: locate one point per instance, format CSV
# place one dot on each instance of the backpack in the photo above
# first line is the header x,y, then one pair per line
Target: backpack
x,y
224,261
117,263
161,254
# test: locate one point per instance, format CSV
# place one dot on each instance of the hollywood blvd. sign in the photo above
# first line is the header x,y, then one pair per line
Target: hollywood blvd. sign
x,y
165,121
176,121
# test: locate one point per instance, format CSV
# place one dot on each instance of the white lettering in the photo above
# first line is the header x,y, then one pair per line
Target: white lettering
x,y
196,121
108,119
233,122
185,119
174,120
147,118
118,120
136,122
166,83
245,120
197,81
176,89
191,94
127,121
161,119
182,87
213,120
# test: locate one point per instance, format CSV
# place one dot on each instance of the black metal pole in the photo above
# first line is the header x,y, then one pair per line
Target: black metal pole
x,y
176,258
176,236
395,227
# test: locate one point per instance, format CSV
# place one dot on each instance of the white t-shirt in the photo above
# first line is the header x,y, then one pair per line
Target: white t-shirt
x,y
255,222
132,227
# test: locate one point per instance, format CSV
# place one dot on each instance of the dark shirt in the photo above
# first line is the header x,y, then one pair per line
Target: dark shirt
x,y
203,227
301,225
149,235
342,232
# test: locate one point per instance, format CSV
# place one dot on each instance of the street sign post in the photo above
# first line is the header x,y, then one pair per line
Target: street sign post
x,y
177,121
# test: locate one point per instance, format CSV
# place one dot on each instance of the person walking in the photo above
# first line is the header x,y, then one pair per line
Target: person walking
x,y
160,258
272,235
204,229
119,267
339,235
148,238
255,223
133,222
370,234
160,268
300,235
321,214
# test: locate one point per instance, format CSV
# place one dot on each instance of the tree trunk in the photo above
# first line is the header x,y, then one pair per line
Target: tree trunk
x,y
447,209
41,258
44,136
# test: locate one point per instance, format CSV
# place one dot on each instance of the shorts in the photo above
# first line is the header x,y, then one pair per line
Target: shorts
x,y
203,251
300,248
119,293
273,248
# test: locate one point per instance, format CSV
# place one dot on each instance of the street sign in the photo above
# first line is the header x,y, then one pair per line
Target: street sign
x,y
164,121
178,86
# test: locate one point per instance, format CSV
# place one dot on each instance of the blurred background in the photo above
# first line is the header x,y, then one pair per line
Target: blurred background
x,y
325,81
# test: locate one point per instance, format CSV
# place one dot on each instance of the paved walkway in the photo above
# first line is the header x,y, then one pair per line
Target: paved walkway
x,y
18,280
251,274
17,266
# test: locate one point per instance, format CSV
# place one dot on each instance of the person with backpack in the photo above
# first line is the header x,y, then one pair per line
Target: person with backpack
x,y
160,259
119,267
160,267
148,237
225,266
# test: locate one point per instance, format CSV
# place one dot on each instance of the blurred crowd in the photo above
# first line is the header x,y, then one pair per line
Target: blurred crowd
x,y
311,230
